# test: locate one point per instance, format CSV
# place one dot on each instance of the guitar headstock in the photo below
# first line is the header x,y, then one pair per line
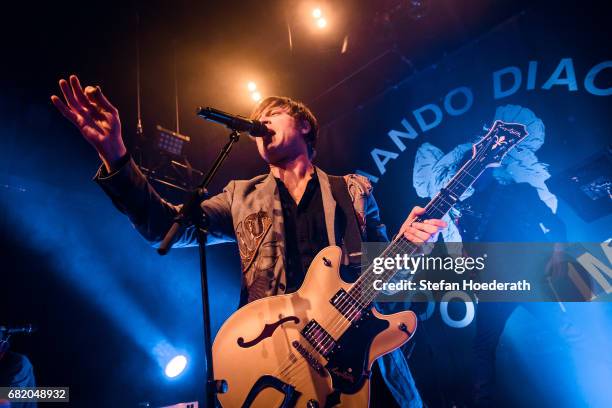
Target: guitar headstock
x,y
500,139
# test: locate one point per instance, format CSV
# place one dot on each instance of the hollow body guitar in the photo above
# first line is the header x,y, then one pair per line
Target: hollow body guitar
x,y
315,347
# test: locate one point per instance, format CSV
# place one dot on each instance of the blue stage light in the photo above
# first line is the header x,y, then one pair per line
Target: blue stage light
x,y
176,366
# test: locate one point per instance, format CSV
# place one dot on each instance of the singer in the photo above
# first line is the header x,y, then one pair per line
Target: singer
x,y
279,220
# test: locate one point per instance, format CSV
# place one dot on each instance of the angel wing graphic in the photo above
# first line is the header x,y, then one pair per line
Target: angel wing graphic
x,y
433,168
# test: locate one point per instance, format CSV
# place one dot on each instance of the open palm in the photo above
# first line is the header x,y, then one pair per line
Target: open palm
x,y
95,117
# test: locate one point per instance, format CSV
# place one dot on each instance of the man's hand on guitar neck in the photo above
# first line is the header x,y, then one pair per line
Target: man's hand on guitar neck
x,y
420,232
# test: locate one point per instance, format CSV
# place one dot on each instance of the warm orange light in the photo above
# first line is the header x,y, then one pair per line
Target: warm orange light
x,y
251,86
322,23
316,13
256,96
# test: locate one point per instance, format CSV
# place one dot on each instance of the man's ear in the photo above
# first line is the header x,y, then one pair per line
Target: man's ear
x,y
305,127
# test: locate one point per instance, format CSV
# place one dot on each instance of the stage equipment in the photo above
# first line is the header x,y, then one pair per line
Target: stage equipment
x,y
191,215
255,94
171,142
176,366
234,122
172,168
7,331
193,404
587,187
315,347
317,15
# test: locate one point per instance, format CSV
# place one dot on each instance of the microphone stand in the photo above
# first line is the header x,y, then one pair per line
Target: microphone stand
x,y
191,214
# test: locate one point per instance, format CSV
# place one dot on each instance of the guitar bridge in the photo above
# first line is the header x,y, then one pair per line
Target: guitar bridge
x,y
318,367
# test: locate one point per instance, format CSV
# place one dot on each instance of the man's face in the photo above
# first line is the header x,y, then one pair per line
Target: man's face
x,y
286,141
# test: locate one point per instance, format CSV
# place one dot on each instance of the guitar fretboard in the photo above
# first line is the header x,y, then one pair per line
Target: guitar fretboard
x,y
362,290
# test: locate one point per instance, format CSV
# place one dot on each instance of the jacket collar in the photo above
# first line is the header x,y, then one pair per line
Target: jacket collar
x,y
270,189
329,205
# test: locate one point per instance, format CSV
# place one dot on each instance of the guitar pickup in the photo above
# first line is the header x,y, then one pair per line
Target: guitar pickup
x,y
347,305
319,338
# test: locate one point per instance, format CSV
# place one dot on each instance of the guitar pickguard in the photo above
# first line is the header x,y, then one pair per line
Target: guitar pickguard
x,y
348,362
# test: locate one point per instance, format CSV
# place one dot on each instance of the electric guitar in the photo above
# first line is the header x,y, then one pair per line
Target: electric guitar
x,y
315,347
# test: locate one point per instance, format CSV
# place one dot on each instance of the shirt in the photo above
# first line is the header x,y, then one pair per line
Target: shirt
x,y
305,230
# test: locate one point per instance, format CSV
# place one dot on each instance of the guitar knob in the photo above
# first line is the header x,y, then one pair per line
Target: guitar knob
x,y
327,262
312,404
220,386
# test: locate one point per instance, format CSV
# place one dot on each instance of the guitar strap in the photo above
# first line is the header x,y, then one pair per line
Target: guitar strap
x,y
351,237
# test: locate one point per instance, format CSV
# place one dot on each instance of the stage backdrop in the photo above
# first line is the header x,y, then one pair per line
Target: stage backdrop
x,y
548,69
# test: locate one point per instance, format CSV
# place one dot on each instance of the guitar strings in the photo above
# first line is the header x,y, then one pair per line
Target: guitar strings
x,y
287,369
462,173
341,323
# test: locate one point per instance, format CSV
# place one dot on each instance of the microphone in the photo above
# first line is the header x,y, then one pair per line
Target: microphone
x,y
26,328
234,122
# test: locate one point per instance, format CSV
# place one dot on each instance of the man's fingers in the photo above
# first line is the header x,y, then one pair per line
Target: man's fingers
x,y
415,234
414,237
96,110
417,210
70,98
102,101
64,110
421,235
72,116
431,229
436,222
78,92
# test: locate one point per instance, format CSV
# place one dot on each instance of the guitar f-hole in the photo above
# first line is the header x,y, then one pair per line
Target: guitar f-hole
x,y
267,331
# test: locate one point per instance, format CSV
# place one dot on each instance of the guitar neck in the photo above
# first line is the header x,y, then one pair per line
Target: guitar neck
x,y
447,197
438,207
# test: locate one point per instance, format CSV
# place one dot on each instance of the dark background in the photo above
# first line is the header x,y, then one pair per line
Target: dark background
x,y
101,298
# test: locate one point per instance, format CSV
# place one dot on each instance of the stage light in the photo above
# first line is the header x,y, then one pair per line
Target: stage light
x,y
316,13
176,366
344,45
321,23
251,86
256,96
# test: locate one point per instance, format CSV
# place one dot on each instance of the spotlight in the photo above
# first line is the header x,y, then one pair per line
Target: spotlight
x,y
176,366
256,96
316,13
251,86
321,23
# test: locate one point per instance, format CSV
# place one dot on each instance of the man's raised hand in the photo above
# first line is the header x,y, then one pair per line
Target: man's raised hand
x,y
95,117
